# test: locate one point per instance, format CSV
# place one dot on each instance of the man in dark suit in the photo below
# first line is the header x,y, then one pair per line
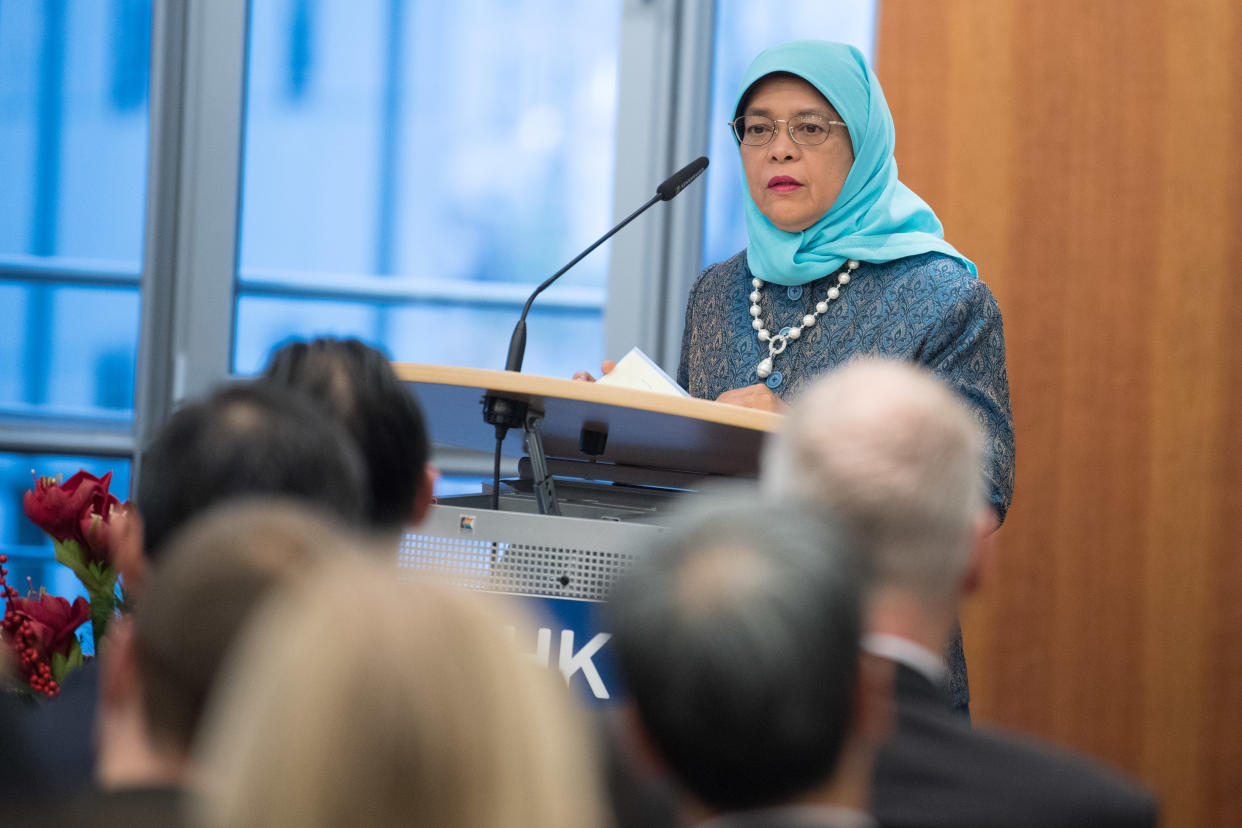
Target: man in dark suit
x,y
738,641
895,455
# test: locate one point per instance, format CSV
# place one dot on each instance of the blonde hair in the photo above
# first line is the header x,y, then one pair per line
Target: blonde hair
x,y
362,699
895,454
213,574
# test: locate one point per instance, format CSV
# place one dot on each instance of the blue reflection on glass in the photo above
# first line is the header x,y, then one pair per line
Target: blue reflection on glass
x,y
477,337
467,141
73,128
744,28
79,361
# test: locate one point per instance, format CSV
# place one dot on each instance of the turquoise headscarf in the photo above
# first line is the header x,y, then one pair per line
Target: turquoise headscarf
x,y
876,218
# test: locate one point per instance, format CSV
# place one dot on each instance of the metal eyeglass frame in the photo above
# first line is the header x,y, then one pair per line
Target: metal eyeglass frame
x,y
788,128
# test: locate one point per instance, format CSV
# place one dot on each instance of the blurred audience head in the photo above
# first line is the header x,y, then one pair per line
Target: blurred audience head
x,y
247,439
894,454
162,665
362,698
737,637
356,385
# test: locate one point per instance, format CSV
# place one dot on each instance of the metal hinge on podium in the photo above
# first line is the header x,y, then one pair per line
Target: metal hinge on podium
x,y
545,489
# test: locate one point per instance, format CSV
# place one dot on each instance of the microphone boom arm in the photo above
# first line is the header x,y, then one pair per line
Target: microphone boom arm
x,y
517,342
505,413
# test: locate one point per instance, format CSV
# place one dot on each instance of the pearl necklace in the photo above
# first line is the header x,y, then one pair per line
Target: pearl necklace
x,y
778,342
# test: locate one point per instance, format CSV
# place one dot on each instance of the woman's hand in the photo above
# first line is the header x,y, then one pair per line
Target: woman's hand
x,y
605,368
754,396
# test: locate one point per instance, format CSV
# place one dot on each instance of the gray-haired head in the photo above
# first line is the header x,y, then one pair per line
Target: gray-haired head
x,y
896,455
737,637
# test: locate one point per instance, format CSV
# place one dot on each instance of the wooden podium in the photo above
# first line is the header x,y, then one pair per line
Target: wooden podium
x,y
646,430
657,449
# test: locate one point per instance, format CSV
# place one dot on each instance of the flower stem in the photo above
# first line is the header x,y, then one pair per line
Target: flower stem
x,y
103,606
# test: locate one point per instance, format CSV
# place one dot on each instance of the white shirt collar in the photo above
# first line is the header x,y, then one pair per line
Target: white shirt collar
x,y
904,651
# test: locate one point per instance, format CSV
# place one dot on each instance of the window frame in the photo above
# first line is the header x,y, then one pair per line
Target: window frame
x,y
664,102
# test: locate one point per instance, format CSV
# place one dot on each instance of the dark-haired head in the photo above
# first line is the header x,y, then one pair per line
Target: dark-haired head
x,y
738,641
247,439
355,384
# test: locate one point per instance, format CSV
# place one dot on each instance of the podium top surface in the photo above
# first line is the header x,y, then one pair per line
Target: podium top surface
x,y
645,429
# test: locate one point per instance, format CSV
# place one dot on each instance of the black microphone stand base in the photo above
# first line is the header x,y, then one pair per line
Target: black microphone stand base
x,y
505,413
502,413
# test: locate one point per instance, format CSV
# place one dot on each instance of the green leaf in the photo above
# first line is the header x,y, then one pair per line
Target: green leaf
x,y
102,579
103,608
75,656
63,665
71,554
96,577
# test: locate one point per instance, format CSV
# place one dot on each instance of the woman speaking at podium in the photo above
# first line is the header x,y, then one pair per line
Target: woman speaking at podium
x,y
843,259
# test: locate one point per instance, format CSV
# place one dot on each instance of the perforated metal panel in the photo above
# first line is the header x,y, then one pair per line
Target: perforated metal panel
x,y
524,554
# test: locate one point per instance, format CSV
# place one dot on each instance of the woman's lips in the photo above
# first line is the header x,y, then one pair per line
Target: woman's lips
x,y
783,184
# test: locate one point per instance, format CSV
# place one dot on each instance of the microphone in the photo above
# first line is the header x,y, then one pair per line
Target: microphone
x,y
671,186
681,179
504,413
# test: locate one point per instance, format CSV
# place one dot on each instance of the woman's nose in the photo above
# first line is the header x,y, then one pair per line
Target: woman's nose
x,y
783,145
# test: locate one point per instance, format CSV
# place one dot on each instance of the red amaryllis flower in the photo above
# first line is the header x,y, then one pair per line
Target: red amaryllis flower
x,y
40,631
57,507
95,525
53,620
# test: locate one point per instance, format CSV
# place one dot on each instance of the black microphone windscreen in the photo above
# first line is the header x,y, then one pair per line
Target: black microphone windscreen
x,y
681,179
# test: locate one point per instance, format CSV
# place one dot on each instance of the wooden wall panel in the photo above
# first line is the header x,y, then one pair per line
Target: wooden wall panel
x,y
1087,154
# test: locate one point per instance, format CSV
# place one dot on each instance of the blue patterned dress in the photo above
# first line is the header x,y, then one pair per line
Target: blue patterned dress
x,y
927,309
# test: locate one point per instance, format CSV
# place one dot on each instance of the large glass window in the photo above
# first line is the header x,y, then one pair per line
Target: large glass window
x,y
73,134
744,28
412,170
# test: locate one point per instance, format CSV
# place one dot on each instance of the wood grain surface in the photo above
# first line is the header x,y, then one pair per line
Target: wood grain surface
x,y
1087,154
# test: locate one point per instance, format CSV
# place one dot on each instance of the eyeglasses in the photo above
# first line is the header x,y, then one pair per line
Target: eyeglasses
x,y
808,130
